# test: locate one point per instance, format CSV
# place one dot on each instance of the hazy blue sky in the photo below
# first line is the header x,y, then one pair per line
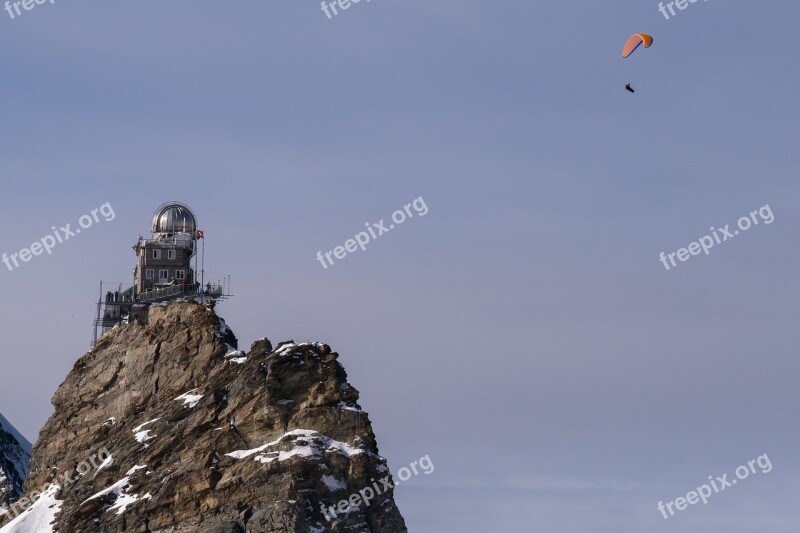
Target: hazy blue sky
x,y
523,333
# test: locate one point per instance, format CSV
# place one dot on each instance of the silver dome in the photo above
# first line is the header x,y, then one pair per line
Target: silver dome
x,y
174,217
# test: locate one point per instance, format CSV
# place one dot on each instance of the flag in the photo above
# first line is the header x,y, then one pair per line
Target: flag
x,y
199,234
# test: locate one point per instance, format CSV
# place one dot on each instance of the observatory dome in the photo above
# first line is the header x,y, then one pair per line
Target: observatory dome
x,y
172,218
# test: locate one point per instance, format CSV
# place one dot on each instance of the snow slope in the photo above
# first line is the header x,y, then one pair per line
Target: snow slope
x,y
38,518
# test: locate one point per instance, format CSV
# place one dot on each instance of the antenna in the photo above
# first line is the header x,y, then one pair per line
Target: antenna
x,y
97,319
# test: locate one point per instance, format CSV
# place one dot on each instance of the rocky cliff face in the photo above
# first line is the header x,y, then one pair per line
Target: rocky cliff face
x,y
15,455
166,427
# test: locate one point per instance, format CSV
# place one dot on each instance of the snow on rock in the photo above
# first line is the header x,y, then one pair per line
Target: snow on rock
x,y
291,347
39,516
235,356
346,407
193,485
142,435
305,443
139,428
287,348
333,484
108,462
123,498
189,399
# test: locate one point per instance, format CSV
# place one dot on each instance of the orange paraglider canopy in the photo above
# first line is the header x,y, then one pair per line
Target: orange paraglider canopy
x,y
634,41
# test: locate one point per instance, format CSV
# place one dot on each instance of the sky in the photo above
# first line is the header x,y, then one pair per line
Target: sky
x,y
524,333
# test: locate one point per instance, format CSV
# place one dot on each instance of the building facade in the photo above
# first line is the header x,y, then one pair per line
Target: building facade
x,y
163,271
165,260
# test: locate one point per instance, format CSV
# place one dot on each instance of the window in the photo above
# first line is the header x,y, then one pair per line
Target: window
x,y
170,254
148,274
180,274
163,274
156,254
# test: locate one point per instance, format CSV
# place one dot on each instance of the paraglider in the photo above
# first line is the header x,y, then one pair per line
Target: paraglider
x,y
634,41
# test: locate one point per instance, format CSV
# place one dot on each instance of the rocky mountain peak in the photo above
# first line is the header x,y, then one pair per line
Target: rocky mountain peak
x,y
166,426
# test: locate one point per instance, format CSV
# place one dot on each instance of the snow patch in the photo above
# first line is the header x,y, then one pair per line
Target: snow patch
x,y
333,484
291,347
135,469
189,399
139,428
120,488
346,407
142,435
234,355
125,500
286,349
38,517
315,445
108,462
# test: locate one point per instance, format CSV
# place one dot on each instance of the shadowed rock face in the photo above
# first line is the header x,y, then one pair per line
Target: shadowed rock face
x,y
15,454
203,437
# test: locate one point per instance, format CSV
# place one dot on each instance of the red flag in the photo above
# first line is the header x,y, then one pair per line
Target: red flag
x,y
200,234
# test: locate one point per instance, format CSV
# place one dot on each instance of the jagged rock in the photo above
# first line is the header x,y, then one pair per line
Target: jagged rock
x,y
15,454
204,437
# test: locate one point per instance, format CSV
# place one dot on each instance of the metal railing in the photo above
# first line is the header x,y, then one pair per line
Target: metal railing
x,y
174,241
167,293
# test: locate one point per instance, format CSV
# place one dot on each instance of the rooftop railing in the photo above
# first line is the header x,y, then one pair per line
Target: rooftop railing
x,y
180,240
167,293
